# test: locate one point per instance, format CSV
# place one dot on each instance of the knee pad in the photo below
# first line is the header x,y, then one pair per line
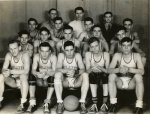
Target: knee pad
x,y
50,81
39,82
32,83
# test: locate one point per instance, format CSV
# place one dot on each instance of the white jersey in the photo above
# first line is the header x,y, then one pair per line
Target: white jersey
x,y
100,62
131,63
17,63
72,65
45,65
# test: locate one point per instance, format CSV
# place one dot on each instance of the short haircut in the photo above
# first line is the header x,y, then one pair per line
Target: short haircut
x,y
46,44
126,39
97,25
119,28
57,18
93,39
67,27
108,12
68,43
88,19
44,29
32,19
23,32
14,41
128,19
52,9
79,8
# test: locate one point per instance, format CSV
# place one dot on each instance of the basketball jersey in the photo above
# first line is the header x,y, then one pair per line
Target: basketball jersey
x,y
72,65
44,65
130,64
100,62
17,64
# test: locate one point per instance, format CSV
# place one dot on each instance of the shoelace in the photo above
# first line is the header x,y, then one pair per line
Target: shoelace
x,y
94,107
83,106
104,106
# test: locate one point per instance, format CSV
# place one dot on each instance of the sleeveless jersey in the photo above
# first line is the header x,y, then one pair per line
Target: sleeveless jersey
x,y
17,64
130,64
100,62
72,65
44,65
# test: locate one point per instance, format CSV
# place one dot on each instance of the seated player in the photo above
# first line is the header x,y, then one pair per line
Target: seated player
x,y
70,74
25,46
33,29
96,30
43,70
15,76
128,24
115,44
84,36
44,37
68,36
97,63
57,31
126,70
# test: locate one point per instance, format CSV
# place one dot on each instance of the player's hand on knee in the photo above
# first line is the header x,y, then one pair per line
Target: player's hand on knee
x,y
40,75
6,72
15,76
45,77
123,69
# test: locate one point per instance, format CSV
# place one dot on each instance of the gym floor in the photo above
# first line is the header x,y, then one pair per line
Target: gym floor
x,y
12,101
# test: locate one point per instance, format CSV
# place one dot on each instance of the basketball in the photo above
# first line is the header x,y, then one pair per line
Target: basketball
x,y
71,103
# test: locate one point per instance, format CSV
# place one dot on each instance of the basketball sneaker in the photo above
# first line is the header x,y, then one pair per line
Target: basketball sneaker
x,y
113,108
60,108
21,108
93,109
46,108
138,110
104,108
31,108
83,108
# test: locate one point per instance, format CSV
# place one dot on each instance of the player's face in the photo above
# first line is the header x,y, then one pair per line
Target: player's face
x,y
121,34
24,39
44,36
58,24
14,49
32,25
97,32
126,47
128,25
94,47
108,18
68,34
69,51
45,52
53,14
88,25
79,14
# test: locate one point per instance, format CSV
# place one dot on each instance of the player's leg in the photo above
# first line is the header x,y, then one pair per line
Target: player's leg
x,y
58,90
1,88
50,90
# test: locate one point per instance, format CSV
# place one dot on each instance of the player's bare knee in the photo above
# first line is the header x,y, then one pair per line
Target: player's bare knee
x,y
112,77
58,75
1,77
23,77
85,76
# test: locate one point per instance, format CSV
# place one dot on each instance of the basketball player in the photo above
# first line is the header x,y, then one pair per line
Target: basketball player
x,y
97,63
45,61
44,37
25,46
126,70
68,36
17,74
70,74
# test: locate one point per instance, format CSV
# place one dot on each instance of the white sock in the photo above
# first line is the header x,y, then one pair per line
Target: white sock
x,y
139,103
113,100
82,101
23,100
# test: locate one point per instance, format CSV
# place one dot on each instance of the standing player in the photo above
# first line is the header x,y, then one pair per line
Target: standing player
x,y
97,63
78,24
71,74
45,61
126,70
17,74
